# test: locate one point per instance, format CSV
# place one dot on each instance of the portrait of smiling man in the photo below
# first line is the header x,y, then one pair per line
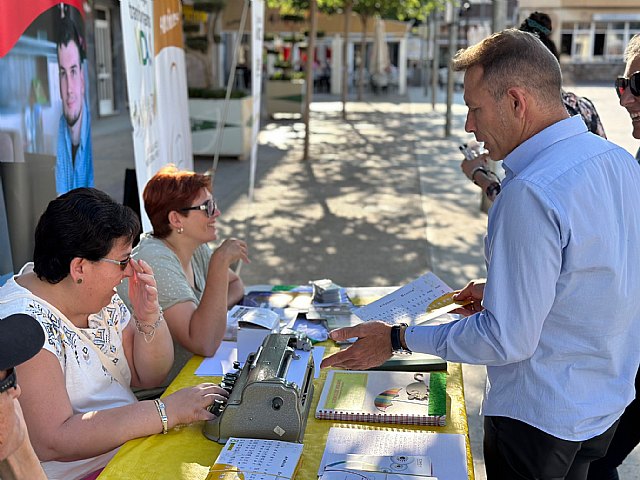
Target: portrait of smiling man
x,y
74,163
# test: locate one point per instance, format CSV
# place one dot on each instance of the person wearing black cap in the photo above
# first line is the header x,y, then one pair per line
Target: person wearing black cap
x,y
21,337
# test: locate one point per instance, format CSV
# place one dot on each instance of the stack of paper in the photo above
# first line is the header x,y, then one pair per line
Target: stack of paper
x,y
378,467
446,452
407,304
253,459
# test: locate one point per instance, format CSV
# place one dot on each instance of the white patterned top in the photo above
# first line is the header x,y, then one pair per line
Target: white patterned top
x,y
89,385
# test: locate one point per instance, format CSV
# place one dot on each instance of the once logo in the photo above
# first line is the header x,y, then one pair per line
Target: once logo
x,y
144,53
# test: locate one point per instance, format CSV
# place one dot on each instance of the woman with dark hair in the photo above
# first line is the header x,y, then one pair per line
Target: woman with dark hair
x,y
540,25
76,392
195,285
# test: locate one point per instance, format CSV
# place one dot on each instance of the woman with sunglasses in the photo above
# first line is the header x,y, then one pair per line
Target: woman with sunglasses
x,y
628,86
627,435
195,285
76,391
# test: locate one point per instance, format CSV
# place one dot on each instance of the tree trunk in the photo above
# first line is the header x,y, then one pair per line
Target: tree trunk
x,y
345,54
313,8
363,57
214,76
217,76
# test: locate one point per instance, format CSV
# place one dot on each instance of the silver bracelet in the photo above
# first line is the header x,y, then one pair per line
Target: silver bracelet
x,y
163,415
150,329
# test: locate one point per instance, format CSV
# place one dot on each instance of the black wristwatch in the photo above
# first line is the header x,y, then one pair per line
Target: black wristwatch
x,y
396,345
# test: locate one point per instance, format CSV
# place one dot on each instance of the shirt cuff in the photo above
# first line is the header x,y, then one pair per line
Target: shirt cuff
x,y
420,338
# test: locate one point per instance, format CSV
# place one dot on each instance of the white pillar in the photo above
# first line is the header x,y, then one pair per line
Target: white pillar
x,y
336,65
350,62
402,67
296,58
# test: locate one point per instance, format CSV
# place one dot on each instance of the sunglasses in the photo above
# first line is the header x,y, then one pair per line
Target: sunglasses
x,y
633,82
10,381
123,263
208,207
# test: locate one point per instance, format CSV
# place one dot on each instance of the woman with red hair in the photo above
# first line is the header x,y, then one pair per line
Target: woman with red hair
x,y
195,284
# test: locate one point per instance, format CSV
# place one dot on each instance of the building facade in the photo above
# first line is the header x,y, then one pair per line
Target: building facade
x,y
591,35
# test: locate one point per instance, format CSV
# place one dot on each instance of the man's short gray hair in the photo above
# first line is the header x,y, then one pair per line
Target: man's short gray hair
x,y
513,58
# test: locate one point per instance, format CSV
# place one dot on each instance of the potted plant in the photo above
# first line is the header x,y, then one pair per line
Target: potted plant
x,y
206,107
285,87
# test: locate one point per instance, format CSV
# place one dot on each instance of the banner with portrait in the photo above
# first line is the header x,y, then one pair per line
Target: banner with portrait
x,y
45,122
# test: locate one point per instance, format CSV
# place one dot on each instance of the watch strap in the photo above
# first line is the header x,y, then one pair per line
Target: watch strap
x,y
396,343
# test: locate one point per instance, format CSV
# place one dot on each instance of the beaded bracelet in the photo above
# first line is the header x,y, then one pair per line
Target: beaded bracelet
x,y
148,335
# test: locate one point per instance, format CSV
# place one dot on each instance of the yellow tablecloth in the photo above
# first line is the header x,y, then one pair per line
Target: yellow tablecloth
x,y
185,453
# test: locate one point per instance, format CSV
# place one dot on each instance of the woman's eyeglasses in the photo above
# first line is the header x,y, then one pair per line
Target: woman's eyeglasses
x,y
10,381
208,207
123,263
633,82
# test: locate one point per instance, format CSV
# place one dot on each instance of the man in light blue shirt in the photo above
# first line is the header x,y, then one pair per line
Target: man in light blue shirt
x,y
559,322
74,162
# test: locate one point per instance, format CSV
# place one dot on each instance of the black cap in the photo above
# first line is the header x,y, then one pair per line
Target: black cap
x,y
21,337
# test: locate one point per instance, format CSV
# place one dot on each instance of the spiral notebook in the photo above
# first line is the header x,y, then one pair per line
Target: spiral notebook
x,y
407,398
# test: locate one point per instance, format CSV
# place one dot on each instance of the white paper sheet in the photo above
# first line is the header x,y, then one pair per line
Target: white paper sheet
x,y
221,362
447,451
259,459
227,353
407,304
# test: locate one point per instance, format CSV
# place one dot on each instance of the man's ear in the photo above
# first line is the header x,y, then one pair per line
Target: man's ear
x,y
518,101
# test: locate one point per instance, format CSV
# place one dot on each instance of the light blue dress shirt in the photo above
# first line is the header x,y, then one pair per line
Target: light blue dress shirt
x,y
70,174
560,333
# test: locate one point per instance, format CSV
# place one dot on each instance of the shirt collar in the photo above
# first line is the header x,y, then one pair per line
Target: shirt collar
x,y
526,152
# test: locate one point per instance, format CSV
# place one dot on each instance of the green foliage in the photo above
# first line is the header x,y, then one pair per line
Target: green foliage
x,y
390,9
295,38
282,64
319,33
215,93
199,43
292,17
209,6
286,76
191,27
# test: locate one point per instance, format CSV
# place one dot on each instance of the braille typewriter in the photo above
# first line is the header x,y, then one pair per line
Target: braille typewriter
x,y
270,396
